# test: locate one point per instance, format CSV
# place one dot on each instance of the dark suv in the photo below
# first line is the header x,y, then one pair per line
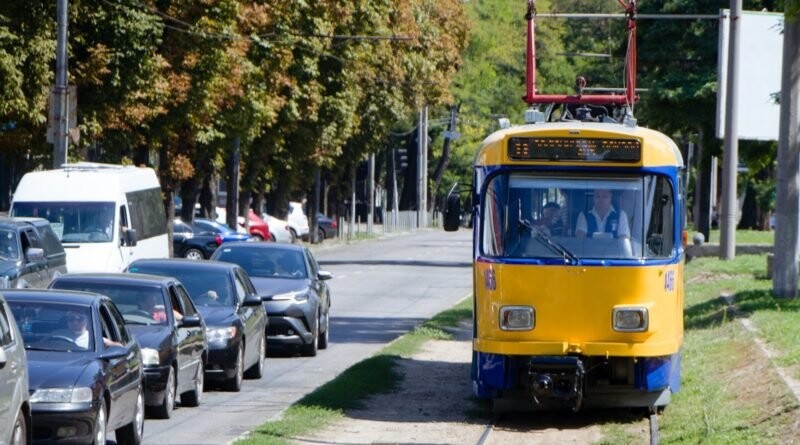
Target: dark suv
x,y
30,253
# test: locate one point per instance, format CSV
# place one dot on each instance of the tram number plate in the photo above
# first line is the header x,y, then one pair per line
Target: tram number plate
x,y
574,149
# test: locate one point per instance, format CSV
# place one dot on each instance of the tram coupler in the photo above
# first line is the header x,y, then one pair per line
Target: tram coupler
x,y
556,380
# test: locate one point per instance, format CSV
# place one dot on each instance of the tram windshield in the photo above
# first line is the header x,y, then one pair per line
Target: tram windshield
x,y
573,217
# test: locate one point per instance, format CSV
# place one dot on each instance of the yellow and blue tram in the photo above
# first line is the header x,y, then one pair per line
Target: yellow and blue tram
x,y
578,255
568,313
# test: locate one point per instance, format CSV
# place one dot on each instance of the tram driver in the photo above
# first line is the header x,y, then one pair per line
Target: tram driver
x,y
603,221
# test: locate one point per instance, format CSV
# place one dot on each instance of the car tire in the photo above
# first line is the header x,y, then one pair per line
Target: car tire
x,y
322,338
257,370
257,238
320,235
194,254
164,411
294,235
194,397
19,433
272,237
100,421
234,383
132,433
310,350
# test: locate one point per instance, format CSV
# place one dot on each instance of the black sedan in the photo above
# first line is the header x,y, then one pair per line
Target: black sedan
x,y
326,227
170,330
191,243
293,288
85,368
235,319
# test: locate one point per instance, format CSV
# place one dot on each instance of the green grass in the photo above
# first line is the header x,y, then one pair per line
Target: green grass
x,y
747,236
374,375
730,393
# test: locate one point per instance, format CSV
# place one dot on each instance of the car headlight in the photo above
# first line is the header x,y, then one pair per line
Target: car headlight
x,y
296,296
62,395
150,357
220,334
517,318
630,319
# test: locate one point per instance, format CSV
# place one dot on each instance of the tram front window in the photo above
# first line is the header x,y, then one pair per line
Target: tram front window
x,y
578,217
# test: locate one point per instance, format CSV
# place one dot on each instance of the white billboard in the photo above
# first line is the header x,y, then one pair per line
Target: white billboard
x,y
759,74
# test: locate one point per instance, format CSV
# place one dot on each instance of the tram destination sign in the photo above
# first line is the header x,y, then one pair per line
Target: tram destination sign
x,y
574,149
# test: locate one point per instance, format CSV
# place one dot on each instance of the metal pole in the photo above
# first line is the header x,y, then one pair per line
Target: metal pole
x,y
420,148
61,134
784,283
370,191
424,168
729,205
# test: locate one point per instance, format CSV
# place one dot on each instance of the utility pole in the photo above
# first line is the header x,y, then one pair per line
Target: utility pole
x,y
784,282
730,207
422,169
370,191
232,199
61,130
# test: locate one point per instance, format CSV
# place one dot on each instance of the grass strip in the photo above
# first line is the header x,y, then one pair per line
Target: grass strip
x,y
374,375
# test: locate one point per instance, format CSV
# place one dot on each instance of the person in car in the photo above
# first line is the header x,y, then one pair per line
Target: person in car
x,y
78,331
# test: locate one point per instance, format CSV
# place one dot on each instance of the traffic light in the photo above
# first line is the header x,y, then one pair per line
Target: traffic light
x,y
400,158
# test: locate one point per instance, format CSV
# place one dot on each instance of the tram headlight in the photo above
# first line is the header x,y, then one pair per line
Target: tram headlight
x,y
517,318
630,319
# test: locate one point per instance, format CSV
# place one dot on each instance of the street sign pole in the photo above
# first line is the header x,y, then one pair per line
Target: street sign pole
x,y
60,140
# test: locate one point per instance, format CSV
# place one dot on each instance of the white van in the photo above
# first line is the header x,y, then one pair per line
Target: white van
x,y
105,215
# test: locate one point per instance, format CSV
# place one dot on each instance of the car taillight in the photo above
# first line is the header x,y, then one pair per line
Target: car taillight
x,y
218,240
333,224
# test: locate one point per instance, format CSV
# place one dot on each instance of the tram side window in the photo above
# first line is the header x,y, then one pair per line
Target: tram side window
x,y
660,239
494,218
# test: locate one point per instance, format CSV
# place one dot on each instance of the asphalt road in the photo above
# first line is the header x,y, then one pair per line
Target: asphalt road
x,y
382,289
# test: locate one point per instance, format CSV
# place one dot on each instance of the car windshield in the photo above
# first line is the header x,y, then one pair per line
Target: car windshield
x,y
266,263
207,287
8,245
138,304
73,222
54,326
569,218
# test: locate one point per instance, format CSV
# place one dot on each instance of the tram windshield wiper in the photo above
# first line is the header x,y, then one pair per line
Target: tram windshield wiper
x,y
554,246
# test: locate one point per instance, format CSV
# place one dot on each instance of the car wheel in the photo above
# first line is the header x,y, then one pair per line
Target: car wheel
x,y
235,383
194,254
19,435
132,433
322,341
310,350
294,235
164,411
257,371
100,424
272,237
320,235
195,397
257,238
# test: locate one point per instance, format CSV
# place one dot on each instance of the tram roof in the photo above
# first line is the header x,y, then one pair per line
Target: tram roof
x,y
656,148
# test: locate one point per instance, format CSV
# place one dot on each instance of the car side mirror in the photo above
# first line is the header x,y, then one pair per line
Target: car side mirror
x,y
452,212
190,321
33,254
130,237
3,358
252,300
114,352
324,275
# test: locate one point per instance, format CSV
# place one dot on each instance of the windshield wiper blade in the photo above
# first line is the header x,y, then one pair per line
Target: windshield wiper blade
x,y
554,246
